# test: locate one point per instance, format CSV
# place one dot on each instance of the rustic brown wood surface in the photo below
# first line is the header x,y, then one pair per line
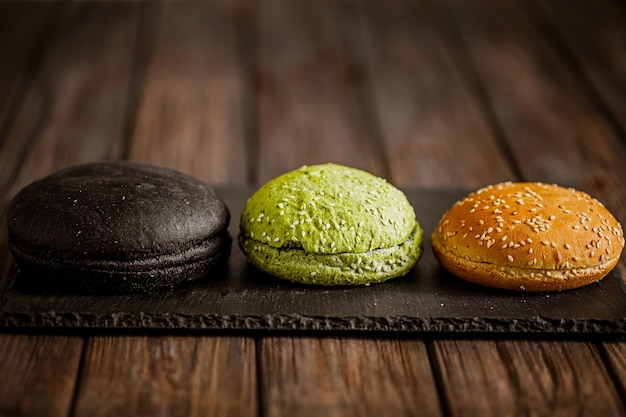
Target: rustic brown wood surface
x,y
426,93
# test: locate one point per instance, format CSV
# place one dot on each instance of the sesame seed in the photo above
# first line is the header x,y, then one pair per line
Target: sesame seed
x,y
313,273
530,250
282,212
281,205
510,258
568,246
552,217
276,239
504,238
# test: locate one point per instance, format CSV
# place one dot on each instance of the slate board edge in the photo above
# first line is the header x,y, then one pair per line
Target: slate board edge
x,y
296,322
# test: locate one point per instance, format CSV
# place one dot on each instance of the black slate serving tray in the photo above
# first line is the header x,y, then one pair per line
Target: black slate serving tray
x,y
242,298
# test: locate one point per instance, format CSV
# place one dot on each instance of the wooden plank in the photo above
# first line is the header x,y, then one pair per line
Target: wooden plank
x,y
169,375
191,104
310,107
21,30
518,377
614,353
37,374
545,115
422,99
346,377
189,116
556,135
598,53
70,110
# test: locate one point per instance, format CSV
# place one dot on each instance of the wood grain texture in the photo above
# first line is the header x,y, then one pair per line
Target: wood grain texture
x,y
37,374
428,114
74,106
554,131
346,377
511,378
318,99
21,30
598,53
191,101
614,353
310,107
189,116
534,94
70,110
172,376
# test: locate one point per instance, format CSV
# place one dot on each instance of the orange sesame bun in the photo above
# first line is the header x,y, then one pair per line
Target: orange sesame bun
x,y
528,237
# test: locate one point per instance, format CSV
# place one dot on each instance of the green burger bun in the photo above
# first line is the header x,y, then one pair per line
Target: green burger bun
x,y
330,225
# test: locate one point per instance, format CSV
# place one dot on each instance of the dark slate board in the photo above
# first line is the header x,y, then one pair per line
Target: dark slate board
x,y
241,298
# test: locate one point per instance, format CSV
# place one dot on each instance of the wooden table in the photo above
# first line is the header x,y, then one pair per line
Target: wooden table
x,y
443,94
